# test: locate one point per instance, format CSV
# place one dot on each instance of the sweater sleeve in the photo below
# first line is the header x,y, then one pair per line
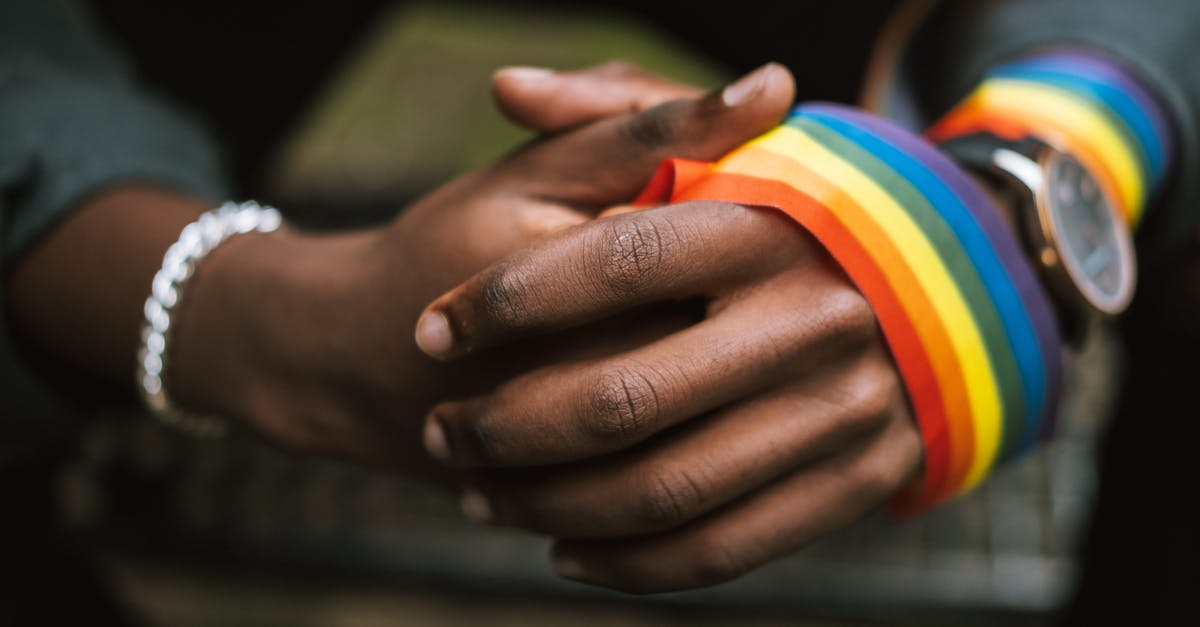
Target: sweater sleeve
x,y
72,121
963,39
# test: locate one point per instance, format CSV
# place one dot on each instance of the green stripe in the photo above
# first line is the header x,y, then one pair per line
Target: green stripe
x,y
957,262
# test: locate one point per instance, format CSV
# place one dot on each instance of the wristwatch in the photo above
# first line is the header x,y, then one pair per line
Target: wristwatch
x,y
1068,223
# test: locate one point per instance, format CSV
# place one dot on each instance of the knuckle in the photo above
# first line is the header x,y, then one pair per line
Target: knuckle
x,y
625,402
654,128
874,396
788,338
634,252
879,476
504,296
841,322
669,498
849,315
716,560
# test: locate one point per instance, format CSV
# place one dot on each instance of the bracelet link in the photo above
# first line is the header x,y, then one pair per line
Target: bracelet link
x,y
167,290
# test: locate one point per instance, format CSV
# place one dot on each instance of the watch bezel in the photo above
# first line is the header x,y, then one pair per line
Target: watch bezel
x,y
1022,166
1063,268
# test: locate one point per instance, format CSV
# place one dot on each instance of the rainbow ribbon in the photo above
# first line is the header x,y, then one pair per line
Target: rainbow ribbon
x,y
968,323
970,328
1081,102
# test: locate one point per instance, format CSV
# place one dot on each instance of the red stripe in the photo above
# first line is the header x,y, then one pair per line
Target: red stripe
x,y
907,349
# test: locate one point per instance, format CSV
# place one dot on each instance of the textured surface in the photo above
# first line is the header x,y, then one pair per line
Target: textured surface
x,y
307,528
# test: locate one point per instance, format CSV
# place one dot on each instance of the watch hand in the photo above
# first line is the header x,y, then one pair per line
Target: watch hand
x,y
1097,261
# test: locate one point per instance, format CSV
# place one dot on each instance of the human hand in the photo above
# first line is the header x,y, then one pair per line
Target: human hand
x,y
550,101
693,458
296,334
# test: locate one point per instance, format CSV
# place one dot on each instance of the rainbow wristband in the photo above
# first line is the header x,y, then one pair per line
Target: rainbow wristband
x,y
1080,102
967,322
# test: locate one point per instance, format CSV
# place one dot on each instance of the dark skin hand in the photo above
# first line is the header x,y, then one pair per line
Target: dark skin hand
x,y
753,431
690,459
302,336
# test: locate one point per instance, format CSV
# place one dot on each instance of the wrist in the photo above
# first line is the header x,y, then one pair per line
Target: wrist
x,y
1083,103
259,321
971,333
77,297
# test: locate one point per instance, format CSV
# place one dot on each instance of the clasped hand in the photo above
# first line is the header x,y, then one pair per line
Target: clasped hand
x,y
676,394
769,414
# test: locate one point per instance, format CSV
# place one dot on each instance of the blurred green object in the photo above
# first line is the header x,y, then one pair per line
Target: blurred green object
x,y
412,107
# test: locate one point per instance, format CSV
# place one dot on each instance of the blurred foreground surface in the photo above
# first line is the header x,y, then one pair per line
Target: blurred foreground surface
x,y
235,533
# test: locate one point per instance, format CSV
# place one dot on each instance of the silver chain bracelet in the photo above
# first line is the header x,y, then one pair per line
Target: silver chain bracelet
x,y
196,241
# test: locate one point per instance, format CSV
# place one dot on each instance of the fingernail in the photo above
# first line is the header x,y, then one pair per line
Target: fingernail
x,y
475,505
527,74
568,567
433,334
543,221
745,88
435,440
617,210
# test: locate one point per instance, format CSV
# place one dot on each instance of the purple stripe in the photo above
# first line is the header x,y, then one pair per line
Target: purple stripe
x,y
1085,63
1006,247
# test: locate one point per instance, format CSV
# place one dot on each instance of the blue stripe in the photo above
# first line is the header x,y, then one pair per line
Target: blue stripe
x,y
1122,106
1007,301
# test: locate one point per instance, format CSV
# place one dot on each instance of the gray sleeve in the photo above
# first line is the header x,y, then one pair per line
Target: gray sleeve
x,y
72,122
1157,38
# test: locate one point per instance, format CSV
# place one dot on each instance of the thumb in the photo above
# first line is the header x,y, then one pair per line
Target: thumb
x,y
610,160
549,101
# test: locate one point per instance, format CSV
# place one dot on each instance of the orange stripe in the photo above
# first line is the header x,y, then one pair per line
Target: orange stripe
x,y
931,402
918,305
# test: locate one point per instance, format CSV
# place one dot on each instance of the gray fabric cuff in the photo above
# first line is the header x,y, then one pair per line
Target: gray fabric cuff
x,y
1155,38
64,138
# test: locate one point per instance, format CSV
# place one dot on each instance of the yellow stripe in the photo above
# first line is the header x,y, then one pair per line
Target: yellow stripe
x,y
925,263
1074,115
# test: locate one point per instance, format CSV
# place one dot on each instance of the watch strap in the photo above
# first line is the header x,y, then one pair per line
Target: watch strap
x,y
1083,103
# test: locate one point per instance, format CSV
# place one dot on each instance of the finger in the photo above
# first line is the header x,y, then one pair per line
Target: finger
x,y
544,100
584,409
699,466
606,266
606,338
773,522
611,160
619,209
538,219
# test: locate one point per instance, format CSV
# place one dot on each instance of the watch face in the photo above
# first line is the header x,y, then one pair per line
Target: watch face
x,y
1092,241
